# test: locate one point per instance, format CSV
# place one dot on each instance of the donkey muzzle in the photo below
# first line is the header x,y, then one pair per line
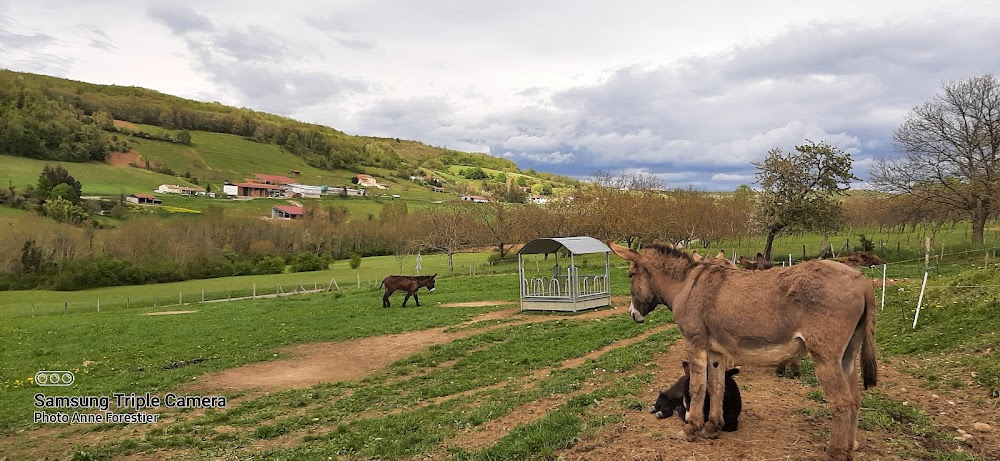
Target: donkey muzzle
x,y
637,316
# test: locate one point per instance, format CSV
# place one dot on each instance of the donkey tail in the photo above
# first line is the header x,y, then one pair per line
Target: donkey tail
x,y
869,368
380,285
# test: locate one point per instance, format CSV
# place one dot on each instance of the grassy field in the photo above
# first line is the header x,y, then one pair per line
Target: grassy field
x,y
372,271
447,389
96,178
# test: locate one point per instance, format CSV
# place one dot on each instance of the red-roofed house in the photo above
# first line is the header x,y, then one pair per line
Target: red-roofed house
x,y
274,179
144,199
287,211
366,180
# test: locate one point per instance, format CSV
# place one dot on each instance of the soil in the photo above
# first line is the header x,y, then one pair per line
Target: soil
x,y
124,158
782,419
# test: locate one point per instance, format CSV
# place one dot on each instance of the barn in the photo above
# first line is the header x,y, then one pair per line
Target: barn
x,y
564,287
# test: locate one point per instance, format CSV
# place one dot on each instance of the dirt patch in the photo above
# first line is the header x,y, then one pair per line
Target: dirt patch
x,y
348,360
131,157
169,312
476,304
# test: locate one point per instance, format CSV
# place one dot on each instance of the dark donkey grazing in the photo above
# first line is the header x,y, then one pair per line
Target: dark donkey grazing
x,y
763,318
408,283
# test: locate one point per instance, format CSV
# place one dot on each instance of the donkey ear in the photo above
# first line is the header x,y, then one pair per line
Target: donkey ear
x,y
721,255
623,252
435,275
760,258
697,257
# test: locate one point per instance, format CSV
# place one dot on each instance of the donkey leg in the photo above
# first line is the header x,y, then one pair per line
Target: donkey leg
x,y
406,298
697,388
385,298
716,391
416,299
841,400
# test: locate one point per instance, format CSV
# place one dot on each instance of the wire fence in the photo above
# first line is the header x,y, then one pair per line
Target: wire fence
x,y
155,301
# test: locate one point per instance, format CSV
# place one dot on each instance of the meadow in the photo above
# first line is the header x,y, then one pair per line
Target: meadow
x,y
585,374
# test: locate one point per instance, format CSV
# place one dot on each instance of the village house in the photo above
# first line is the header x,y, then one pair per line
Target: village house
x,y
144,199
475,198
287,212
366,180
182,190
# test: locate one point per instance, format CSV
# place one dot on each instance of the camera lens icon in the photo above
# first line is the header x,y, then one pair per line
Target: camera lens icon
x,y
54,378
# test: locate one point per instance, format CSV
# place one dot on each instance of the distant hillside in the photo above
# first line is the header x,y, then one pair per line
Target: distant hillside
x,y
56,119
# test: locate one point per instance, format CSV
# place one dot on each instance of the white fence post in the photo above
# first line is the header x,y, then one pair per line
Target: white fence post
x,y
883,286
920,300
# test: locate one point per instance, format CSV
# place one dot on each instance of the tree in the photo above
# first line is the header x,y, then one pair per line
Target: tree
x,y
502,224
65,211
184,137
64,191
952,147
798,190
52,177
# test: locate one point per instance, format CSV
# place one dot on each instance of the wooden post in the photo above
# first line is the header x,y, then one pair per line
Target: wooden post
x,y
32,310
203,296
920,300
98,304
359,279
803,251
128,302
154,300
254,291
180,297
942,250
65,307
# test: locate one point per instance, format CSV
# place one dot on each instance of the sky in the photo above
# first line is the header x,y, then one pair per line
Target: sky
x,y
692,92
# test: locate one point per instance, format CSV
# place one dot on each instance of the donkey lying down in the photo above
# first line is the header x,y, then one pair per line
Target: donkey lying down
x,y
677,398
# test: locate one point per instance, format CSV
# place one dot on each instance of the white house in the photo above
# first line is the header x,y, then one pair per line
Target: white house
x,y
303,190
475,198
182,190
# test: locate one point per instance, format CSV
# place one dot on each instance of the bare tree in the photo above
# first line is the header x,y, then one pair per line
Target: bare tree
x,y
502,224
952,146
447,228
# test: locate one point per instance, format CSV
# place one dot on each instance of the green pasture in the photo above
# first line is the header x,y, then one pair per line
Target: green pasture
x,y
371,272
96,178
447,389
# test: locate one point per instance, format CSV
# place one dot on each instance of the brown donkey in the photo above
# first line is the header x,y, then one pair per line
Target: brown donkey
x,y
763,318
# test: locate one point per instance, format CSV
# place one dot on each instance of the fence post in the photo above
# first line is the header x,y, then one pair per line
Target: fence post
x,y
32,310
65,307
180,297
920,300
254,291
883,286
98,304
128,302
927,253
154,301
359,280
203,296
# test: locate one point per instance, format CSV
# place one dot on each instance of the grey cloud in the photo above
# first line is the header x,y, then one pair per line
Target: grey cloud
x,y
180,19
709,117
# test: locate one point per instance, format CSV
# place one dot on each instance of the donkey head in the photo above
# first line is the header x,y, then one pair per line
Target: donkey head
x,y
644,299
429,283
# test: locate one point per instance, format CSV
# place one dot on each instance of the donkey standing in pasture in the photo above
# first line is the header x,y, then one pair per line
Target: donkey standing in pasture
x,y
762,318
408,283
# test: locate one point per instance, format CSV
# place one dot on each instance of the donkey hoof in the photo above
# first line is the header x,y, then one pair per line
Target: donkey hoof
x,y
690,432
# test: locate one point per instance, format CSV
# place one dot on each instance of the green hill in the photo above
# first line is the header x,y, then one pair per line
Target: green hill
x,y
60,120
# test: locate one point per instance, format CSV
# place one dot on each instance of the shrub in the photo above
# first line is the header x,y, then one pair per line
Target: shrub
x,y
307,261
269,265
355,261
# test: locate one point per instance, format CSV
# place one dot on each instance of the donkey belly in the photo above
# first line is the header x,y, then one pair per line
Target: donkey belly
x,y
750,352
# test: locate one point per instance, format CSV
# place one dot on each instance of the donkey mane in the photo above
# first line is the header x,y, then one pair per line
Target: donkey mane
x,y
669,250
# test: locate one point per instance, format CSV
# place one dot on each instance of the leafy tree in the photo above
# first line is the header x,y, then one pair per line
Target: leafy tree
x,y
52,177
952,146
798,189
65,192
63,210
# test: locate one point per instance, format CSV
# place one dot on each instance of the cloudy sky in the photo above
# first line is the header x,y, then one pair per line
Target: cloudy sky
x,y
690,91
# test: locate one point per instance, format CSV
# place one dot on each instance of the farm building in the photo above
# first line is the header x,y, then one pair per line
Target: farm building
x,y
182,190
287,212
272,179
366,180
475,198
256,190
303,190
564,289
343,190
144,199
